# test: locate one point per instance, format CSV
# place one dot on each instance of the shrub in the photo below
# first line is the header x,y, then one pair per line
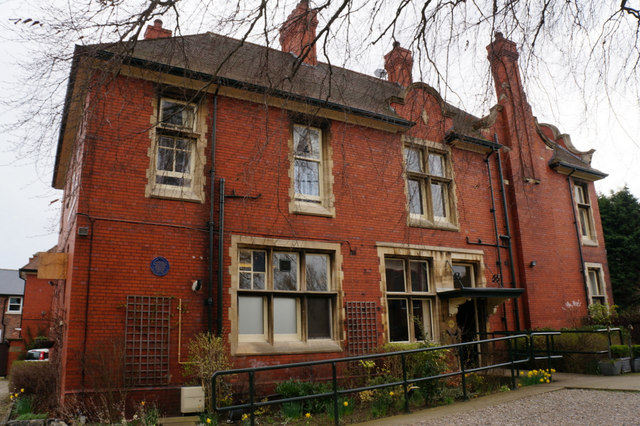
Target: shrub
x,y
602,314
293,388
635,350
578,342
37,380
619,351
420,364
206,355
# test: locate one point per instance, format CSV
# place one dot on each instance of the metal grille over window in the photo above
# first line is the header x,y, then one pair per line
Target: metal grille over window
x,y
362,330
147,340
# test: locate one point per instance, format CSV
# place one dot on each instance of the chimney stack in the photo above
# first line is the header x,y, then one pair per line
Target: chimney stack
x,y
298,33
156,31
399,63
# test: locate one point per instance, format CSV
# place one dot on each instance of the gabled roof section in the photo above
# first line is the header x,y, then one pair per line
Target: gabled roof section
x,y
568,160
10,283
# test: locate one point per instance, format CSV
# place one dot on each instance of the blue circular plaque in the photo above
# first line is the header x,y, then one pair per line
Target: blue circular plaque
x,y
160,266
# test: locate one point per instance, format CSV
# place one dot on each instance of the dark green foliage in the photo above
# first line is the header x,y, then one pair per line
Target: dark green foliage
x,y
620,214
38,381
619,351
635,350
421,364
292,388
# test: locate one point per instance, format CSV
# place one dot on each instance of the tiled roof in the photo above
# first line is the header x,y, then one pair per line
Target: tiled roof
x,y
269,70
10,283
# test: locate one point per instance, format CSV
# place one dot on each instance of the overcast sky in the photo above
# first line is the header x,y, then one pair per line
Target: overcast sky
x,y
30,208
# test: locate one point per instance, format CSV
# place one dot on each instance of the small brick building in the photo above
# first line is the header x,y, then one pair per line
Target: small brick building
x,y
305,211
11,303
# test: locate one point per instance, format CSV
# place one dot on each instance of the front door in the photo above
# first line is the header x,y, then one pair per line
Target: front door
x,y
470,319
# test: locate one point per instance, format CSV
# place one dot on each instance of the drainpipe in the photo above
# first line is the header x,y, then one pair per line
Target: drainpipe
x,y
220,249
87,300
495,228
212,173
516,310
578,237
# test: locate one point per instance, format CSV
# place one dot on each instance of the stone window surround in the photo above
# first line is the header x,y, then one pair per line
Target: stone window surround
x,y
286,347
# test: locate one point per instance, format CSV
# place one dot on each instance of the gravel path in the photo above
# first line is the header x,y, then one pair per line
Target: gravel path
x,y
562,407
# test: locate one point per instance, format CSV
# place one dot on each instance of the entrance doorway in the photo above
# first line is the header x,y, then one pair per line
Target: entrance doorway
x,y
471,321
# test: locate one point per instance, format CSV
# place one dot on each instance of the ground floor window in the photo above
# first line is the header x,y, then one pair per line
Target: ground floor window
x,y
409,303
285,294
596,286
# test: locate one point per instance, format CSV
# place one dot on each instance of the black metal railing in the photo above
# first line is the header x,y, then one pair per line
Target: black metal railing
x,y
514,359
550,352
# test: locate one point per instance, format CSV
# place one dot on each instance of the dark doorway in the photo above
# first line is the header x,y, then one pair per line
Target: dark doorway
x,y
4,358
467,319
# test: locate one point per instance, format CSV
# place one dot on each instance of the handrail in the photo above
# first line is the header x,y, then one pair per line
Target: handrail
x,y
405,382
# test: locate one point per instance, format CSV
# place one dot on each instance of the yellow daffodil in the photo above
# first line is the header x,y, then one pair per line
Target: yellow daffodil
x,y
142,403
21,390
541,380
308,415
553,370
346,403
391,393
208,420
245,416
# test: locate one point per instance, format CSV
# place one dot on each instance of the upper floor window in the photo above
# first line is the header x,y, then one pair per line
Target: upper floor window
x,y
585,214
15,305
410,299
177,154
311,177
429,186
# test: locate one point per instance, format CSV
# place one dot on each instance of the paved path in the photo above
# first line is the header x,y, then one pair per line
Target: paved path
x,y
503,408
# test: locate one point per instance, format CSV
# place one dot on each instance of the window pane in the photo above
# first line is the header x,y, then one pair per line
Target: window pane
x,y
307,142
244,262
413,158
579,194
422,319
245,280
183,161
415,197
317,269
165,159
285,315
398,320
285,271
177,114
250,315
436,165
594,282
258,280
462,276
584,221
419,278
307,178
319,318
259,258
438,197
394,269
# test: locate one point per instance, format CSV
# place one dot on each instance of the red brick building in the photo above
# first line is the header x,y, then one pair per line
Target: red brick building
x,y
37,320
303,210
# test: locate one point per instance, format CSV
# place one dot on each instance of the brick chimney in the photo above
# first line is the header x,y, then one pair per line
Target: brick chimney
x,y
298,33
520,132
398,64
156,31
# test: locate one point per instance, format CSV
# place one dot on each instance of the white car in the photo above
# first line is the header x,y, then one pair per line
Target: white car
x,y
37,355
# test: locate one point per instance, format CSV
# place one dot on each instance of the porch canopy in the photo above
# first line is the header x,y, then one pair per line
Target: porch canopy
x,y
494,296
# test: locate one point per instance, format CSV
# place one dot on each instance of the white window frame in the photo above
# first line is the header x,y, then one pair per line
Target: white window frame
x,y
583,204
596,268
426,180
269,341
194,135
426,298
309,204
19,302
